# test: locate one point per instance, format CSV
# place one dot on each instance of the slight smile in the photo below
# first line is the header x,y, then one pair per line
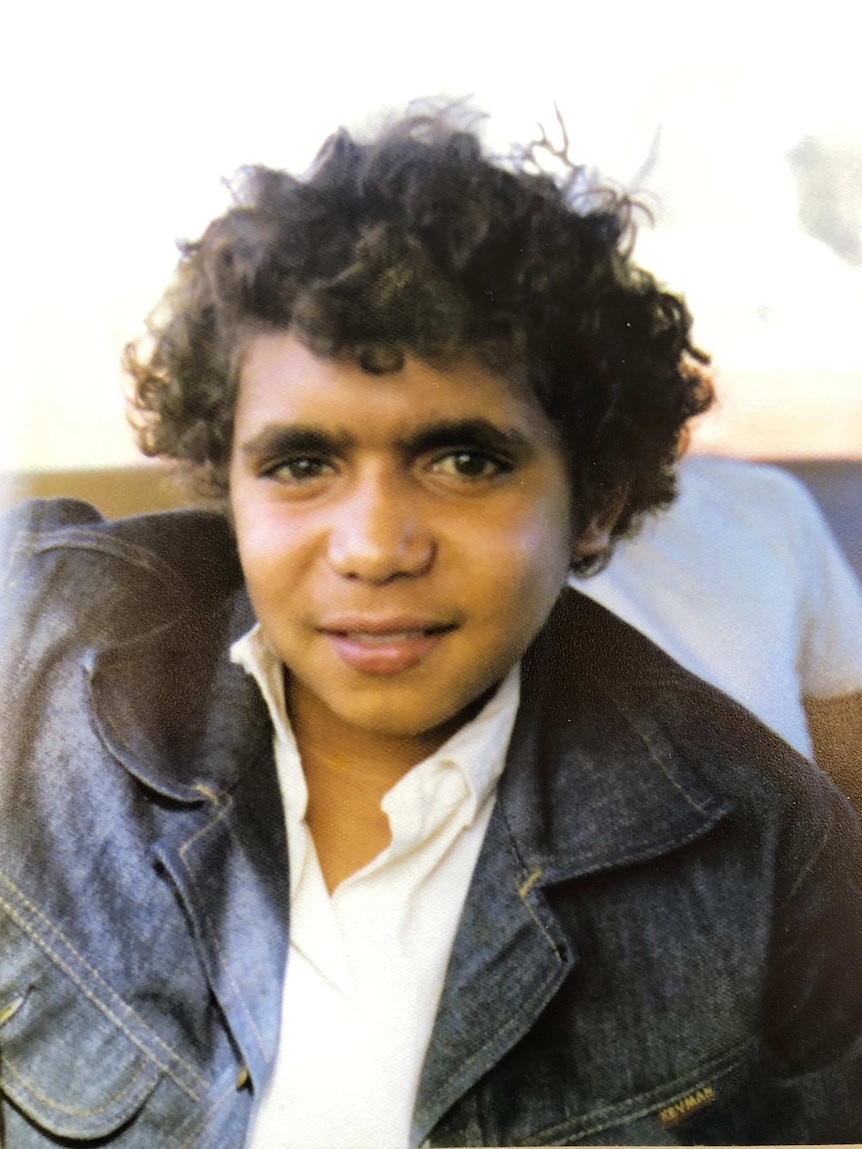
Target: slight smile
x,y
377,646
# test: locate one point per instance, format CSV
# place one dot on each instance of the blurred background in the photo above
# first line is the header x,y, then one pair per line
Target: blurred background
x,y
740,127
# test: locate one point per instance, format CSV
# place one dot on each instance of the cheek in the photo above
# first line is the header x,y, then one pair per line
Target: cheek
x,y
272,552
526,570
541,542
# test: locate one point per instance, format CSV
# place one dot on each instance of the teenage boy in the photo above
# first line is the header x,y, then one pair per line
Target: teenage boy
x,y
333,819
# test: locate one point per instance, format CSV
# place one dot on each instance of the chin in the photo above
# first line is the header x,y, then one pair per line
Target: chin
x,y
400,720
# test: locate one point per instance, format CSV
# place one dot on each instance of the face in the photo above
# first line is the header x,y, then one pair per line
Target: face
x,y
403,536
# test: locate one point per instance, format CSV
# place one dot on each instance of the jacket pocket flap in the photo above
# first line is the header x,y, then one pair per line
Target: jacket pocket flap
x,y
64,1062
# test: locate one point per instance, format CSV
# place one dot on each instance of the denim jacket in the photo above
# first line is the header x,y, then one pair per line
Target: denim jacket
x,y
660,943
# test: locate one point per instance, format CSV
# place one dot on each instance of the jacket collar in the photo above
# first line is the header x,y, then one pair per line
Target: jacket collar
x,y
190,725
173,709
596,777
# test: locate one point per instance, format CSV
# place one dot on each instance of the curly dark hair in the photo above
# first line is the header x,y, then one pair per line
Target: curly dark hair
x,y
419,243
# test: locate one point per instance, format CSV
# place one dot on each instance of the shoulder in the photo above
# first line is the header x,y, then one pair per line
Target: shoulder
x,y
743,493
742,581
65,569
718,743
717,474
729,515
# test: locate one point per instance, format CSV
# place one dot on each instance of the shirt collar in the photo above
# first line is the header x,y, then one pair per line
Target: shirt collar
x,y
425,796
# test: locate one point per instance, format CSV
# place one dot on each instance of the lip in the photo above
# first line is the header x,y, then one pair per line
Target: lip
x,y
383,645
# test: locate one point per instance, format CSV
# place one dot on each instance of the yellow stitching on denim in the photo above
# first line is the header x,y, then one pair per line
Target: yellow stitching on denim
x,y
675,1112
696,805
654,755
493,1040
643,1104
102,1005
11,1008
807,866
72,1112
210,794
205,829
189,1144
183,850
526,887
529,882
541,925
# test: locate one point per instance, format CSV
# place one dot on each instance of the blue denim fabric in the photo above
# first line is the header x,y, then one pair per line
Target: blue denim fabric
x,y
661,943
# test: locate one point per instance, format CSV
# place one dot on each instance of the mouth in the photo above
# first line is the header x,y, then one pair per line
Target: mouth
x,y
377,646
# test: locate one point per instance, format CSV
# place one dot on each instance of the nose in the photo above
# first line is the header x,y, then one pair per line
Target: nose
x,y
379,534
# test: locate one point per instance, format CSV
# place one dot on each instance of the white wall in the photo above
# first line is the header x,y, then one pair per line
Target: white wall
x,y
126,116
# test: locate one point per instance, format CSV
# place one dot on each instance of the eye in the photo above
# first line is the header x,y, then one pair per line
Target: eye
x,y
470,465
301,469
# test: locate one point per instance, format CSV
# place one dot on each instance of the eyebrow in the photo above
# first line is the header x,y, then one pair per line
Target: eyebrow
x,y
292,439
481,433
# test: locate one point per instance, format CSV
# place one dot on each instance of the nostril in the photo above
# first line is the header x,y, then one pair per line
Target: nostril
x,y
387,549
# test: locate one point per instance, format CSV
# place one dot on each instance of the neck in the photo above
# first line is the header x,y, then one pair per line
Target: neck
x,y
347,772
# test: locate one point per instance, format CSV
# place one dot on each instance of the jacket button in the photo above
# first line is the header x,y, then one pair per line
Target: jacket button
x,y
242,1077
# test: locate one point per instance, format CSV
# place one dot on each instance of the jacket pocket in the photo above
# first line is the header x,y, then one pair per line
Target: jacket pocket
x,y
709,1104
70,1068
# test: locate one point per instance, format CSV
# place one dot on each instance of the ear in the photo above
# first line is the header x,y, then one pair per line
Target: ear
x,y
595,539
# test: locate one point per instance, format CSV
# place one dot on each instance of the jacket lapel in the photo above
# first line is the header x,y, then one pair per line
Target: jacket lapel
x,y
590,784
192,726
504,930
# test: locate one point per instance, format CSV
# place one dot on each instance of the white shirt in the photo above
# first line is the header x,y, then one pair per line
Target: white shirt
x,y
366,965
741,581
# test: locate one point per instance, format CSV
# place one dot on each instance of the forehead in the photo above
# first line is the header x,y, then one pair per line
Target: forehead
x,y
282,380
